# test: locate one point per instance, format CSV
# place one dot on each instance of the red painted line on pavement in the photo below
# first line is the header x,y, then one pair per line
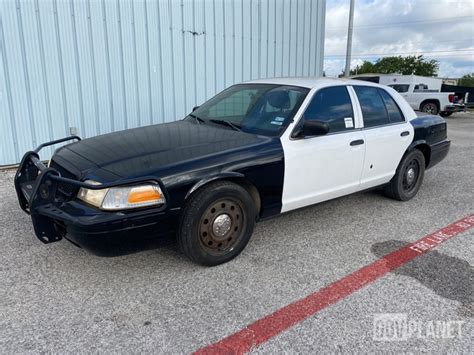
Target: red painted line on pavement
x,y
273,324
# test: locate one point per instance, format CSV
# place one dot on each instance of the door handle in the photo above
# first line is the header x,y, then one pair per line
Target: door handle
x,y
404,133
357,142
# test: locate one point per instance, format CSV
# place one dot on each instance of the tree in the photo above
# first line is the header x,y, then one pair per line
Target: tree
x,y
364,68
467,80
417,65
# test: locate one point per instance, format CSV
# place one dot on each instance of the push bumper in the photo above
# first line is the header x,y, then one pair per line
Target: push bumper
x,y
100,232
105,233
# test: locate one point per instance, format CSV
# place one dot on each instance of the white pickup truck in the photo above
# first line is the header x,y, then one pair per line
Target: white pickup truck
x,y
422,93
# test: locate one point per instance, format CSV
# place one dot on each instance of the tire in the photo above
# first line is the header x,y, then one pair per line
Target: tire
x,y
430,107
408,177
445,114
216,223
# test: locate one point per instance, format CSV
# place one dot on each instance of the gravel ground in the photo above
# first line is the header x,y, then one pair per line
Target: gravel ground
x,y
57,298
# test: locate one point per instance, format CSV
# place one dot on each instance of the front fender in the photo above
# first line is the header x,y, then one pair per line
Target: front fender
x,y
209,179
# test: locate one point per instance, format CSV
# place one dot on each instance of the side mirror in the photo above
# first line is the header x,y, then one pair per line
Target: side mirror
x,y
195,108
313,128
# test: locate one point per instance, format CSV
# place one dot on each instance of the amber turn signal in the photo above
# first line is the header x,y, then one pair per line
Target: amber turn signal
x,y
143,194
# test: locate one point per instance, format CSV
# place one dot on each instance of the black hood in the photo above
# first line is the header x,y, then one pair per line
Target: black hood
x,y
146,150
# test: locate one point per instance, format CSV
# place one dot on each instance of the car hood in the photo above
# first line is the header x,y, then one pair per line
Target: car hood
x,y
147,150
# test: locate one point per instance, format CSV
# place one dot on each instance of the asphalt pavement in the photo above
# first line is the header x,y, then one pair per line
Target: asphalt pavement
x,y
58,298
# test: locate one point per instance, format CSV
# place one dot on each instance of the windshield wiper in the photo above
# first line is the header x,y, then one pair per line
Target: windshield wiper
x,y
198,119
226,123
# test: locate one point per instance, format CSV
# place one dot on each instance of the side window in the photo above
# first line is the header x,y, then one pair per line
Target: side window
x,y
332,105
420,87
400,87
394,113
373,108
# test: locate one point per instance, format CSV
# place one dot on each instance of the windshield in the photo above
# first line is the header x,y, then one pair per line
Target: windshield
x,y
254,108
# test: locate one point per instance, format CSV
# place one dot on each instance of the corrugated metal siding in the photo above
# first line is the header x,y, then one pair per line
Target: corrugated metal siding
x,y
105,65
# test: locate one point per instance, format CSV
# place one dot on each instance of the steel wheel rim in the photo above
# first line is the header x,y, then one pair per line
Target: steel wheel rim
x,y
411,175
430,108
221,226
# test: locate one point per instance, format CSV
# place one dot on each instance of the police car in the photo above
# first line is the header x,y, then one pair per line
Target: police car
x,y
255,150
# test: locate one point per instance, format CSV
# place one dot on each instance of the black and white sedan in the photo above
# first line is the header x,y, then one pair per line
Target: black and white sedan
x,y
255,150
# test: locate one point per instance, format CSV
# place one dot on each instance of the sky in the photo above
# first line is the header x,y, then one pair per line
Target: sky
x,y
439,29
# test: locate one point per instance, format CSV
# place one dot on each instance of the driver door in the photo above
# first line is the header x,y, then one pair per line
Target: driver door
x,y
319,168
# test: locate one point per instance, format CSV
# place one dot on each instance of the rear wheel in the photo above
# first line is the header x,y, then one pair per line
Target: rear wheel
x,y
217,223
408,177
430,107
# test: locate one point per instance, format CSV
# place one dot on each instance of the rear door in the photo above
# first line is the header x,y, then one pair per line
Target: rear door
x,y
386,132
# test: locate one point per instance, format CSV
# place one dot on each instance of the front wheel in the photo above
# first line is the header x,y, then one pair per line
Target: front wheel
x,y
408,177
216,223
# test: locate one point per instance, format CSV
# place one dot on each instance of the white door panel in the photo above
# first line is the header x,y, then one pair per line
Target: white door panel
x,y
385,147
321,168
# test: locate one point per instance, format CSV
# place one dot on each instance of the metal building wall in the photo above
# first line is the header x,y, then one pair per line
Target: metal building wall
x,y
104,65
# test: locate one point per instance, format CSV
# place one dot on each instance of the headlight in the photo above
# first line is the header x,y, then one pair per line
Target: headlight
x,y
123,197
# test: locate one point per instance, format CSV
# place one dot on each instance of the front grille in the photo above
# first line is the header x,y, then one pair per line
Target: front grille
x,y
65,190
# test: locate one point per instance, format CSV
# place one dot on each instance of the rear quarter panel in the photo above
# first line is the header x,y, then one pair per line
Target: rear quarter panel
x,y
431,134
430,129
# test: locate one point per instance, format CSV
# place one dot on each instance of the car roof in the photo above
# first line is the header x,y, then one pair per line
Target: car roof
x,y
311,82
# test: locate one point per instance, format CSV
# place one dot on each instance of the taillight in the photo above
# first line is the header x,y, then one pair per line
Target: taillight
x,y
451,97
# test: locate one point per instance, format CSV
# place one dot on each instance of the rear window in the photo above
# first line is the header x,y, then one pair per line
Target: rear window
x,y
400,87
372,105
394,113
420,87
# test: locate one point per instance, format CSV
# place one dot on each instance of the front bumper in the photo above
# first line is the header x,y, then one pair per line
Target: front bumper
x,y
100,232
107,233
